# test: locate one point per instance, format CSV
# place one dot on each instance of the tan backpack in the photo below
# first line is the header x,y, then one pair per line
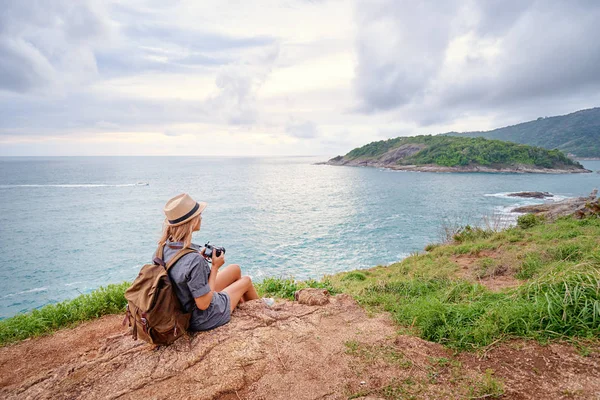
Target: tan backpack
x,y
153,309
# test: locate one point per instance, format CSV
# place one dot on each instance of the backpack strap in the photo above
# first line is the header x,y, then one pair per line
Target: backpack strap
x,y
177,256
158,258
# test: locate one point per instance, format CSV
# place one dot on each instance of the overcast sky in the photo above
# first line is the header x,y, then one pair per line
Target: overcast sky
x,y
283,77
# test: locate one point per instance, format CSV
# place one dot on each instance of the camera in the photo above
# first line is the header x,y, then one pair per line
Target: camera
x,y
209,248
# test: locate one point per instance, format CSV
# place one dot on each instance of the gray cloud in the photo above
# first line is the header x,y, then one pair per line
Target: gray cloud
x,y
238,86
81,111
50,51
43,46
64,43
400,46
542,50
22,66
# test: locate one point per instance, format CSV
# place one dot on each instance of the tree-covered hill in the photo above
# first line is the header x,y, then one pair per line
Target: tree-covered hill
x,y
577,133
449,151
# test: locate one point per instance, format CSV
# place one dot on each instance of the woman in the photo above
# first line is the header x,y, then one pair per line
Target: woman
x,y
209,293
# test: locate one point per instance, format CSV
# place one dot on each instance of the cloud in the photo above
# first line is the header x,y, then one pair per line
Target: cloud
x,y
360,71
434,64
22,66
236,101
49,46
400,46
302,130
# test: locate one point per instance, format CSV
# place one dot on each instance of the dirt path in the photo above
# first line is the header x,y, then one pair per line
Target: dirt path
x,y
289,351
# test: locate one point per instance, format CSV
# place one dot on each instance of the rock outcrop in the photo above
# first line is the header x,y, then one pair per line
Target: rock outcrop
x,y
289,351
531,195
578,206
386,160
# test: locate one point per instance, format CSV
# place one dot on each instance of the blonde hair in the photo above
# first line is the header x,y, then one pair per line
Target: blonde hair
x,y
180,233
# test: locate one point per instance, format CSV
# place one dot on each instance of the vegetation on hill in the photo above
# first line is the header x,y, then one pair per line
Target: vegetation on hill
x,y
557,265
577,133
454,151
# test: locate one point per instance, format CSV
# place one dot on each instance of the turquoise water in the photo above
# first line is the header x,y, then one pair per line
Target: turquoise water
x,y
70,225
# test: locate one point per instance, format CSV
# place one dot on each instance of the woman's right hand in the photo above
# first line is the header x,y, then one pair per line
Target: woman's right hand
x,y
217,262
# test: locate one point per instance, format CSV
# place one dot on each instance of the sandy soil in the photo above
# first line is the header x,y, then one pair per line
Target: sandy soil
x,y
502,277
290,351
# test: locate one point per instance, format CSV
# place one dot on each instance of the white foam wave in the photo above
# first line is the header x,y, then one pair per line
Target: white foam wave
x,y
77,185
73,283
34,290
504,215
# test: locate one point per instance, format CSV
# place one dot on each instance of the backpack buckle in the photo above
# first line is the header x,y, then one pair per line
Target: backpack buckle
x,y
144,322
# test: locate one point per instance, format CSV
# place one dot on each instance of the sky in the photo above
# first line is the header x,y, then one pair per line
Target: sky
x,y
283,78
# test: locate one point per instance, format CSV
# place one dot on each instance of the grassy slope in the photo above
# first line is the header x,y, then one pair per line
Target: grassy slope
x,y
454,151
558,263
577,133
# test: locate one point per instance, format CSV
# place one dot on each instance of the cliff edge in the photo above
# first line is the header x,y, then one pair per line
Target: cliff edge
x,y
319,347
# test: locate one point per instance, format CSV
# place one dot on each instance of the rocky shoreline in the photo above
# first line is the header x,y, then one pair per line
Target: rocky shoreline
x,y
515,169
578,206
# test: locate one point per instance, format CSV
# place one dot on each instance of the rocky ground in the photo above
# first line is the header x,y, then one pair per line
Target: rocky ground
x,y
293,350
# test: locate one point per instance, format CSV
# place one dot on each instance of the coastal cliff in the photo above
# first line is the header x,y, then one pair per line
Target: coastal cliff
x,y
494,291
451,154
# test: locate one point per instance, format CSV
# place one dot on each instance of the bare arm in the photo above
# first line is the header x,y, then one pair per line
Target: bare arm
x,y
203,302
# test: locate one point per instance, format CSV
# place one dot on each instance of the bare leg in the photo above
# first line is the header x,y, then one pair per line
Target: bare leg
x,y
227,276
241,289
251,292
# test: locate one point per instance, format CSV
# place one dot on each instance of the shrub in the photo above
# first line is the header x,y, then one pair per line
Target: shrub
x,y
529,220
354,276
470,234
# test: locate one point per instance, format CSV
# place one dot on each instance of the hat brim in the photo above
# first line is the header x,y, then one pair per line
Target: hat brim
x,y
201,206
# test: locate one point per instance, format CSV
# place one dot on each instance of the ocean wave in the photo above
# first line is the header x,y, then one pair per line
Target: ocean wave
x,y
76,185
504,217
74,283
34,290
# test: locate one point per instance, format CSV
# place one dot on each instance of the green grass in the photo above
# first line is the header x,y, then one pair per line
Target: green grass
x,y
285,288
466,315
105,300
558,263
111,300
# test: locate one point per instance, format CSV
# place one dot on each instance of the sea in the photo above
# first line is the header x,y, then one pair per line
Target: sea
x,y
70,225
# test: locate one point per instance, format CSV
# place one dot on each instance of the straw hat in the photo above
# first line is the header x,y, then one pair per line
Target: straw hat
x,y
182,208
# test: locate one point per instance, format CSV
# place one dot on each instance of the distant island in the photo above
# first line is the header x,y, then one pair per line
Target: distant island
x,y
457,154
577,134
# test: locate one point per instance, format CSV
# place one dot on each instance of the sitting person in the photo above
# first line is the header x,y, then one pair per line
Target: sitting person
x,y
208,292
